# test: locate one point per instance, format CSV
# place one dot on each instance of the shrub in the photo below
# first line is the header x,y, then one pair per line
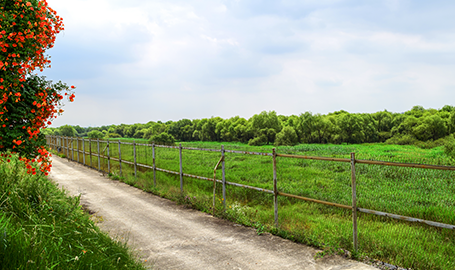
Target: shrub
x,y
260,140
287,136
95,134
449,146
402,140
163,138
29,102
113,135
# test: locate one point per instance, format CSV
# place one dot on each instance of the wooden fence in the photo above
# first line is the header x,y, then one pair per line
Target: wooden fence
x,y
66,145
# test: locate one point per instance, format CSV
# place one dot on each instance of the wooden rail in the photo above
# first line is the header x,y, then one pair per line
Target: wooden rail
x,y
65,143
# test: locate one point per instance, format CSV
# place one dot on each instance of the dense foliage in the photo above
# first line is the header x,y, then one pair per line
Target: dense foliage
x,y
41,227
27,102
416,126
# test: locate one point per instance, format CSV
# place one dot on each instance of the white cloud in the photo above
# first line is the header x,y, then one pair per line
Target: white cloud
x,y
157,60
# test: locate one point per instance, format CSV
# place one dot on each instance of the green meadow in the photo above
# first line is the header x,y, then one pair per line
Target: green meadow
x,y
418,193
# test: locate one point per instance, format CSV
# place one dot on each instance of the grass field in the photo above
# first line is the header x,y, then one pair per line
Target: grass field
x,y
425,194
43,228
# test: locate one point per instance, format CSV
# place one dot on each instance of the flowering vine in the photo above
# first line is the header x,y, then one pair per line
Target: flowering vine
x,y
28,102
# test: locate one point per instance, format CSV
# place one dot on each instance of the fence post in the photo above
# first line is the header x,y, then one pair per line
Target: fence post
x,y
83,151
275,189
354,202
181,168
134,154
120,157
154,166
99,154
224,178
72,149
67,148
108,158
90,150
77,146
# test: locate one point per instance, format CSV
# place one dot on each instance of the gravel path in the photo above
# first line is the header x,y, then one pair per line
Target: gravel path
x,y
169,236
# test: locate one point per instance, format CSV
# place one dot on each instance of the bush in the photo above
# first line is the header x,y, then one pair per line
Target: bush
x,y
163,138
402,140
95,134
449,146
261,140
113,135
287,136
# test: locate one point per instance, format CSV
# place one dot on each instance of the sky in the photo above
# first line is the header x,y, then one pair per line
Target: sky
x,y
137,61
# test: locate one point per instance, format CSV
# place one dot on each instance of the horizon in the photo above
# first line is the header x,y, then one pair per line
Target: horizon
x,y
139,60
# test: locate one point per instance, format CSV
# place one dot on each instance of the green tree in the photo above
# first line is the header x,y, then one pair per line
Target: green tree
x,y
262,124
67,131
287,136
430,127
351,128
95,134
163,138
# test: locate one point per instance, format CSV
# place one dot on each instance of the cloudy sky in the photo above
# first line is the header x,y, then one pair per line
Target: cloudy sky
x,y
140,60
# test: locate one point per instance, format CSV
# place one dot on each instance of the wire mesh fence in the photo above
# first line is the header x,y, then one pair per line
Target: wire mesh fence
x,y
401,210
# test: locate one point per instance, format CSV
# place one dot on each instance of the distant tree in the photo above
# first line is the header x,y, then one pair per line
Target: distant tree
x,y
163,138
448,108
430,127
112,135
287,136
176,129
95,134
305,127
260,140
79,130
351,128
208,132
67,131
263,122
139,134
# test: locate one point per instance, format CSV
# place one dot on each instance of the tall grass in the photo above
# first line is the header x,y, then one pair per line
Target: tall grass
x,y
426,194
41,227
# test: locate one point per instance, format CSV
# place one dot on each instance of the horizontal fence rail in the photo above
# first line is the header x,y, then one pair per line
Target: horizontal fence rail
x,y
67,145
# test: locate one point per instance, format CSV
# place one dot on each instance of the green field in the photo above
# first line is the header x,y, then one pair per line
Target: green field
x,y
419,193
43,228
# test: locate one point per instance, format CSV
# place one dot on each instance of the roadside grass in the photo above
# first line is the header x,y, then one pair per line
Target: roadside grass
x,y
41,227
419,193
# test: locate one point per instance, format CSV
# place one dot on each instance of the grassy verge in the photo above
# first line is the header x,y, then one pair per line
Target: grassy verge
x,y
41,227
425,194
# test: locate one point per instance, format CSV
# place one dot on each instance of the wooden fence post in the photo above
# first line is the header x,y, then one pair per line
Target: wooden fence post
x,y
154,166
90,151
83,151
134,154
108,158
99,154
223,177
275,189
354,202
120,157
181,168
77,146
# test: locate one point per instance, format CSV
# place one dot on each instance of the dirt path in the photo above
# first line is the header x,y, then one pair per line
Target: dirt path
x,y
172,237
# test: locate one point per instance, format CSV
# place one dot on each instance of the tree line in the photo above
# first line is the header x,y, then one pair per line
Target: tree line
x,y
418,125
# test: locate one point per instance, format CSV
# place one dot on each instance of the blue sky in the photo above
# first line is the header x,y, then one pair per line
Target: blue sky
x,y
140,60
